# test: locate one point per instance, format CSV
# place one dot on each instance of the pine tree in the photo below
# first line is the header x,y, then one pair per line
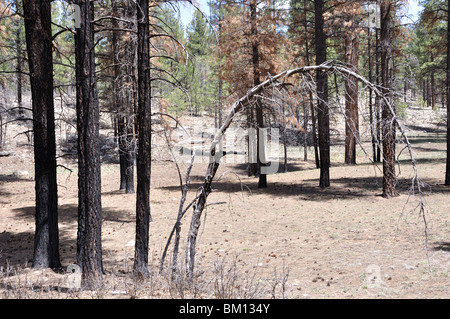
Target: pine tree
x,y
323,115
389,178
250,43
447,169
143,217
37,16
300,18
200,77
124,88
350,12
89,242
170,69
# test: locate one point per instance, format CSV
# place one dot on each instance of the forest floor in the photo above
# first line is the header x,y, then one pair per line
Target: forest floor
x,y
291,240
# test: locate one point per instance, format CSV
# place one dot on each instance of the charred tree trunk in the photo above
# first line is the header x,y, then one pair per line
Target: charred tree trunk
x,y
377,98
19,71
144,141
351,98
323,116
117,92
305,127
311,103
371,113
124,86
387,118
262,182
89,167
220,97
314,130
447,170
39,46
432,85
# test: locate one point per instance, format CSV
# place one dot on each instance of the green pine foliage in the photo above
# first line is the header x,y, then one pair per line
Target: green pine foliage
x,y
202,84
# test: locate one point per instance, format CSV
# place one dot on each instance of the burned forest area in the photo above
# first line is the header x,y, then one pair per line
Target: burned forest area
x,y
224,149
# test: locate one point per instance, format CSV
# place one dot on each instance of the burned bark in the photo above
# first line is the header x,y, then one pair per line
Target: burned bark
x,y
89,243
323,116
144,142
387,116
447,168
351,98
39,47
260,148
124,83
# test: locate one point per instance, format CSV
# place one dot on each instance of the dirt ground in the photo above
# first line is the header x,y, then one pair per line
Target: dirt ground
x,y
291,240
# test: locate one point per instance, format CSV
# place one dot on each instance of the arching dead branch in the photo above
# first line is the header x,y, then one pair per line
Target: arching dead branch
x,y
280,80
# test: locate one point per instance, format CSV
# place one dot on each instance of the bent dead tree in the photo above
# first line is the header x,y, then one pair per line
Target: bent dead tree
x,y
239,105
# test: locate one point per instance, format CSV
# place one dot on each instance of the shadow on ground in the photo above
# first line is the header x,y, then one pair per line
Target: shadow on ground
x,y
16,249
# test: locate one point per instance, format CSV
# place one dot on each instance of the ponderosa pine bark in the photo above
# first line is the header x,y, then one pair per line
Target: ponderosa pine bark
x,y
371,112
124,58
311,103
19,71
351,97
39,47
377,98
447,170
323,116
89,243
387,118
260,148
143,217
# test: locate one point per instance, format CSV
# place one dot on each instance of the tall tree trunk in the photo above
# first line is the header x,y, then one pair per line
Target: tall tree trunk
x,y
117,93
19,70
323,116
89,167
305,127
132,99
447,168
351,98
252,165
387,118
314,130
371,119
432,85
262,182
144,142
219,105
377,98
123,58
311,102
39,46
